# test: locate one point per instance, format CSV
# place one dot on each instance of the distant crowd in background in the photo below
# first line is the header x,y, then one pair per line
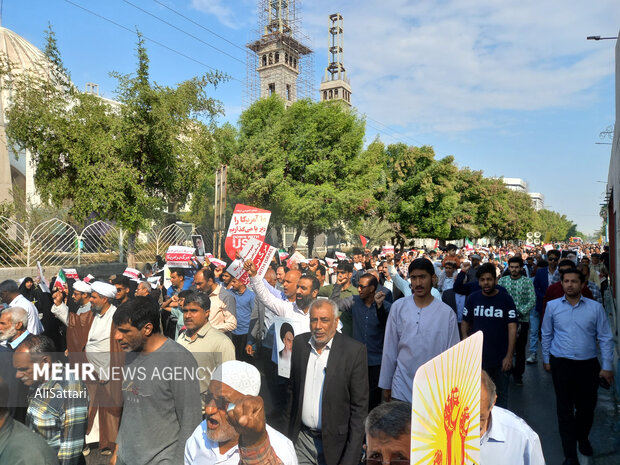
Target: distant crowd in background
x,y
312,363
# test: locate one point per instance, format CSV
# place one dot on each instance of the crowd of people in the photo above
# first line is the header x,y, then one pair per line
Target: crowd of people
x,y
197,350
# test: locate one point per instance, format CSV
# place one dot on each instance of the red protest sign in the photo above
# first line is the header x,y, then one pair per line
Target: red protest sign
x,y
179,256
257,251
246,223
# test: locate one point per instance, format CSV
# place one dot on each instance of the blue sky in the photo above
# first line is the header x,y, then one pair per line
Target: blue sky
x,y
512,88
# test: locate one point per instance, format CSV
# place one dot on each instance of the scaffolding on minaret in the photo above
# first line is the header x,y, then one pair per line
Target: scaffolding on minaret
x,y
279,61
335,84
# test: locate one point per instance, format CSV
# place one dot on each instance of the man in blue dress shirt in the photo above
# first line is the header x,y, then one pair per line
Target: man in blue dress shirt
x,y
571,328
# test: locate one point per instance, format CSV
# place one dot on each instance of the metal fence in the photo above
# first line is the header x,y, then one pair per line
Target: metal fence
x,y
58,243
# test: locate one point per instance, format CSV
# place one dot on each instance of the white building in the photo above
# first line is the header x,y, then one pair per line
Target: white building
x,y
515,184
538,200
520,185
613,211
16,170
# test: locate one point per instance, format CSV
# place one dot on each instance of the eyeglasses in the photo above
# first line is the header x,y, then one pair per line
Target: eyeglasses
x,y
552,259
220,402
359,286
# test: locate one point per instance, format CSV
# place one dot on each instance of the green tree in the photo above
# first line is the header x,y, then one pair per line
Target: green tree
x,y
422,195
553,226
305,164
123,162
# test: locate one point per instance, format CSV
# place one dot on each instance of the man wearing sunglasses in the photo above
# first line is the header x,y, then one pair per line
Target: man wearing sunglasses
x,y
544,278
234,429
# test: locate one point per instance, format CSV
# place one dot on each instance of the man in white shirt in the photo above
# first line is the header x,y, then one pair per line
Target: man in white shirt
x,y
419,327
330,391
504,437
9,294
307,289
234,430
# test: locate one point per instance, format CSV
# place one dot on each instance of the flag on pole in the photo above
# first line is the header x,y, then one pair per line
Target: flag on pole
x,y
365,240
436,246
282,255
61,281
469,245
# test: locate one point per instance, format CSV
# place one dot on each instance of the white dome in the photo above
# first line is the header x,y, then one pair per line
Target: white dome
x,y
22,54
17,168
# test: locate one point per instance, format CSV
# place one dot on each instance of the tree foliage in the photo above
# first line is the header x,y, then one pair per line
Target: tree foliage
x,y
306,164
429,197
554,226
122,162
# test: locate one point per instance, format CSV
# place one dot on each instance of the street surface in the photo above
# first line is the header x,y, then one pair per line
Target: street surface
x,y
535,403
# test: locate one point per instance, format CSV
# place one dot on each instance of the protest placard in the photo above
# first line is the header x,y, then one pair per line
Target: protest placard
x,y
387,249
215,261
257,251
297,257
71,273
246,223
131,273
43,283
445,420
285,331
340,255
199,245
179,256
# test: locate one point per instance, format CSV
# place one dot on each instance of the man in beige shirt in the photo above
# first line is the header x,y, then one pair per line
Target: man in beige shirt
x,y
223,304
209,346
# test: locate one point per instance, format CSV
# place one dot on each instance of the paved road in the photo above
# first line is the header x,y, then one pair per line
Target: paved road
x,y
535,403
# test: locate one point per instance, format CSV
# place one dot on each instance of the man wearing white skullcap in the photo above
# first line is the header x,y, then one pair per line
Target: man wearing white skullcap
x,y
92,332
81,296
234,430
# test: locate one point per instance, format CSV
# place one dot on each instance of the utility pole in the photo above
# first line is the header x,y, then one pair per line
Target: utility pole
x,y
219,210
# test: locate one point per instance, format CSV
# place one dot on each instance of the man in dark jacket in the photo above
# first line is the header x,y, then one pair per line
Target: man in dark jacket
x,y
330,392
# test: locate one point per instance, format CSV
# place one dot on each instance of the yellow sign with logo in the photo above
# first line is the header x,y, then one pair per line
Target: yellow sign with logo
x,y
445,420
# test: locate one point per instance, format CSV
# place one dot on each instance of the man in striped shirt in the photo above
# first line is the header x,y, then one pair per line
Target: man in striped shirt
x,y
57,409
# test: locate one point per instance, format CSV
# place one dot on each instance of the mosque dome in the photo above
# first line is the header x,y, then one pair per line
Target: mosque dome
x,y
22,55
16,171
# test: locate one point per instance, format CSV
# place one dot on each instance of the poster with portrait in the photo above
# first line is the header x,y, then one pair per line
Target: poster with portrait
x,y
199,245
445,417
285,332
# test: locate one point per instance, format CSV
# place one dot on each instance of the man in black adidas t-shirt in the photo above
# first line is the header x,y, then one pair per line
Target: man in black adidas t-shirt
x,y
494,313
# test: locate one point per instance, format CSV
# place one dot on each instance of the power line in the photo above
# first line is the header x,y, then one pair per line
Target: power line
x,y
387,128
184,32
151,40
200,25
392,133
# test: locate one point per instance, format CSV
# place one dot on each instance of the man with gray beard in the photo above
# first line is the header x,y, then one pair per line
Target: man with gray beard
x,y
234,430
13,324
